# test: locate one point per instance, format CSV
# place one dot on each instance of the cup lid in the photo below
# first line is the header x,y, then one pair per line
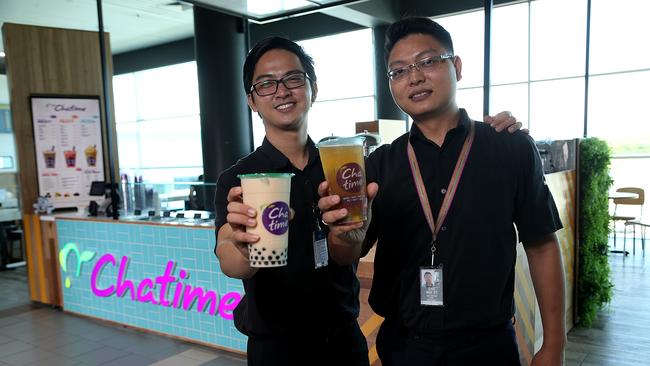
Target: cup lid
x,y
265,175
342,141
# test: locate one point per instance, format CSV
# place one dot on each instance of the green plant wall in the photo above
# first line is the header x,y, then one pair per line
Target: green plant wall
x,y
595,286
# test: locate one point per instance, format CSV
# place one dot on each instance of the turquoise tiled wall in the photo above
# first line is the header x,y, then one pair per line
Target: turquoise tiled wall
x,y
149,248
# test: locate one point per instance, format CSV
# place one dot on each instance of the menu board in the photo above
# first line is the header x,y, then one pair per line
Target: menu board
x,y
68,142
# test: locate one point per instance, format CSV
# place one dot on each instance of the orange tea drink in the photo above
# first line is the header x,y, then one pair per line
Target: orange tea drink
x,y
268,194
345,173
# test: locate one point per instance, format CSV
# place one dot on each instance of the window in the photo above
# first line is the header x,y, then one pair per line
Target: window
x,y
537,70
619,68
345,85
158,123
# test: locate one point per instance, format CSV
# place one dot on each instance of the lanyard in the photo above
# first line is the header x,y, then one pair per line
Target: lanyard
x,y
451,188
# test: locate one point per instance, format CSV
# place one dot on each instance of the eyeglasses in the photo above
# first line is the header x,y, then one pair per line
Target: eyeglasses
x,y
423,65
270,87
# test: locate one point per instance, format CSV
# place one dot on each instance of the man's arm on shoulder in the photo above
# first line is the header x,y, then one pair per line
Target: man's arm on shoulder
x,y
546,271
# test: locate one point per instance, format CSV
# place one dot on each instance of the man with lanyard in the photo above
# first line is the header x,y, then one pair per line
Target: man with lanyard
x,y
306,312
449,193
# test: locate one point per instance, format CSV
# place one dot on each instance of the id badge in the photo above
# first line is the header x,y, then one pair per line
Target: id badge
x,y
431,286
321,255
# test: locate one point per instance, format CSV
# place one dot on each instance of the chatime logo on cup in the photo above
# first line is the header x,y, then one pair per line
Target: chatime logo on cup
x,y
275,218
350,177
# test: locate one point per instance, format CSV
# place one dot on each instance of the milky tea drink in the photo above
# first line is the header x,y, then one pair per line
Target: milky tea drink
x,y
345,173
268,194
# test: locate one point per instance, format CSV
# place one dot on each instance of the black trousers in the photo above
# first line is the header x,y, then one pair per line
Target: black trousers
x,y
494,346
343,346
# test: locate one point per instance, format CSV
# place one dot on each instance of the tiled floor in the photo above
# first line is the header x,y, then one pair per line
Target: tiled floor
x,y
38,335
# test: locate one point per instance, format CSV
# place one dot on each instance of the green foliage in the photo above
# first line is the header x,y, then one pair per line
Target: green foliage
x,y
595,286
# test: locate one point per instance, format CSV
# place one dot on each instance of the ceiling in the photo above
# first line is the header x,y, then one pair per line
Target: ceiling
x,y
136,24
132,24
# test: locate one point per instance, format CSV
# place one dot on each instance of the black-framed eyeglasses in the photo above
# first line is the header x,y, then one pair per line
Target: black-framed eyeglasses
x,y
270,87
426,64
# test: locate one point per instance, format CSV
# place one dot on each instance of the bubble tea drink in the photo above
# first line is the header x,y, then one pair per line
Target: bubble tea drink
x,y
268,194
344,170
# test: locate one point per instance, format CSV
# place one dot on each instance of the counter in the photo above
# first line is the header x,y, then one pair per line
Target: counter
x,y
159,277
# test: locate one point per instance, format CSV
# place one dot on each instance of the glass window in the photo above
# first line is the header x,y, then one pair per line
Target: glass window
x,y
513,98
171,142
126,101
619,31
509,44
619,112
169,91
557,109
557,38
158,122
343,77
128,145
472,100
467,34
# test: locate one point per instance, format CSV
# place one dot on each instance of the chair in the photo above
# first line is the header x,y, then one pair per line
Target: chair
x,y
637,201
643,223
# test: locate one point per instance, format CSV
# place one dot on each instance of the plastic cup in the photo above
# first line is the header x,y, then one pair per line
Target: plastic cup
x,y
50,158
70,158
344,169
91,155
268,193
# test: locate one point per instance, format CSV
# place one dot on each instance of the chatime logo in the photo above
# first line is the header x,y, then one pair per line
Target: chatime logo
x,y
275,217
350,177
153,291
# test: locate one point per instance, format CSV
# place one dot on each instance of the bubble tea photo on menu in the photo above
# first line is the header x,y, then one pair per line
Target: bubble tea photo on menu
x,y
268,193
344,170
70,157
50,158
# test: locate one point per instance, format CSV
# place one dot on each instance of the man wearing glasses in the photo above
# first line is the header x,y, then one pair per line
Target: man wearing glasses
x,y
303,313
450,191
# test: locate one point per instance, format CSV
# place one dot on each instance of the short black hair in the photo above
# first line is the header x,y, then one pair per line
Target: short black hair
x,y
272,43
416,25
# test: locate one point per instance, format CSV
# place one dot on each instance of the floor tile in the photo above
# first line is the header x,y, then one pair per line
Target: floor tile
x,y
101,355
77,348
13,347
130,360
176,361
200,354
32,356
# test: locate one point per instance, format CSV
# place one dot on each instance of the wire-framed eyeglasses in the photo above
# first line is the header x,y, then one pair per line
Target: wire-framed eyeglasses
x,y
270,87
423,65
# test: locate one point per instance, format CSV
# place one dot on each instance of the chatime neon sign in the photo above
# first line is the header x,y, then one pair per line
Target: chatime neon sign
x,y
184,295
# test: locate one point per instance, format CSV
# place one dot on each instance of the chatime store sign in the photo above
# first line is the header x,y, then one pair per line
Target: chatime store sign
x,y
172,288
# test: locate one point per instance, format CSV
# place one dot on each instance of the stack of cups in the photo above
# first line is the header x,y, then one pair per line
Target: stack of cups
x,y
268,193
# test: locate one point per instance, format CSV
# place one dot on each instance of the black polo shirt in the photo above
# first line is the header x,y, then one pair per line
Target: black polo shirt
x,y
502,184
297,299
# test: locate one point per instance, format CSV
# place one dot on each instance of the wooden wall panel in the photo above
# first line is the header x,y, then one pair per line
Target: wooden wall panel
x,y
44,60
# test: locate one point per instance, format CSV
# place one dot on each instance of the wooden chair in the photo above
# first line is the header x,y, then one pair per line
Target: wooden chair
x,y
637,201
